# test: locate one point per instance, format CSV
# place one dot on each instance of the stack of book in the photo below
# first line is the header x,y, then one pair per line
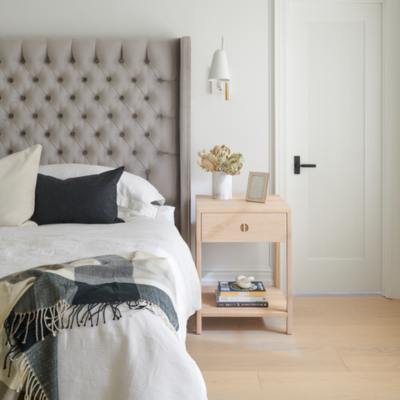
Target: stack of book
x,y
229,294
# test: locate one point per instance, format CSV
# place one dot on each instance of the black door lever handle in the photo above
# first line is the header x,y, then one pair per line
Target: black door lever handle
x,y
298,165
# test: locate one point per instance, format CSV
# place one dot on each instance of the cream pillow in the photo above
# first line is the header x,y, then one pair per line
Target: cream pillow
x,y
18,174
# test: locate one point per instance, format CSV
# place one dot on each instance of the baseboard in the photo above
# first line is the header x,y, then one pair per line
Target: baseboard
x,y
339,294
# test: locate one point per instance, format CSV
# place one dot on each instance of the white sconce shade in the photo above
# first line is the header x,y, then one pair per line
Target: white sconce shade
x,y
219,70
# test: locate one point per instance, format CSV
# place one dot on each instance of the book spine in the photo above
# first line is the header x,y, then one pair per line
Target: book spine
x,y
241,299
240,304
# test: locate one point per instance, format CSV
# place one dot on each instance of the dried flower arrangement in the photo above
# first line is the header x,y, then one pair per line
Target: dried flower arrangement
x,y
221,159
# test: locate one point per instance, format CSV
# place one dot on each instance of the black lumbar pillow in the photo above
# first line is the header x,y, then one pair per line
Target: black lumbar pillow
x,y
86,200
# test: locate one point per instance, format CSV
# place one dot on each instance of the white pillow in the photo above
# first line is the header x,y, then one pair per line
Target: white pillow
x,y
161,213
131,188
18,174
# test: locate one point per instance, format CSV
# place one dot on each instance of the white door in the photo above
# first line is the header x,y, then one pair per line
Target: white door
x,y
333,119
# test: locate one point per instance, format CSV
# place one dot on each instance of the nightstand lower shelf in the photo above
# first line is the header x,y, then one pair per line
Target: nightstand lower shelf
x,y
276,300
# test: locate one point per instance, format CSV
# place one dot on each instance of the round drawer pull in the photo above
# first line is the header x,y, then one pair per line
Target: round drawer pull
x,y
244,227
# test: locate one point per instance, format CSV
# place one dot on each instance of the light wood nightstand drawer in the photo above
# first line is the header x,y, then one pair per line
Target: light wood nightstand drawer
x,y
243,227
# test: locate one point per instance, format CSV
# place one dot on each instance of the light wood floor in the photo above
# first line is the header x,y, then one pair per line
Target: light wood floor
x,y
345,348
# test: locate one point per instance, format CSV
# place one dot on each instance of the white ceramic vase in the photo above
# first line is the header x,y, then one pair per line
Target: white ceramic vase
x,y
221,185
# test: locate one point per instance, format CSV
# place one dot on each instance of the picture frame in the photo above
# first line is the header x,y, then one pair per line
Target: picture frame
x,y
257,187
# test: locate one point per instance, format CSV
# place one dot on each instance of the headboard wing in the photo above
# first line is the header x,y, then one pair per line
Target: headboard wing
x,y
102,101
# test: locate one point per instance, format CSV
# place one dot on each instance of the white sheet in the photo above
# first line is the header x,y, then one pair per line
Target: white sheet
x,y
138,357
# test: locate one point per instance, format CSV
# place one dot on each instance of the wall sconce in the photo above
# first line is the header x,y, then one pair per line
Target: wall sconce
x,y
219,71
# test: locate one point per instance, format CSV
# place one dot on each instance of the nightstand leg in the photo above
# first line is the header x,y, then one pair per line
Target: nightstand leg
x,y
199,323
289,274
277,272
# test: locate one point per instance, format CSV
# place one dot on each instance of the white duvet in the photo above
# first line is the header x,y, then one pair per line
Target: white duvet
x,y
138,357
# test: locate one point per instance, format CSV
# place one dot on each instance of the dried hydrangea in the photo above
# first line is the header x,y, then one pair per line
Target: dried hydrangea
x,y
220,158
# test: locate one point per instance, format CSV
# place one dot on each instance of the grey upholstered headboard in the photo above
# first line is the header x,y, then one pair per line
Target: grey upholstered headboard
x,y
102,101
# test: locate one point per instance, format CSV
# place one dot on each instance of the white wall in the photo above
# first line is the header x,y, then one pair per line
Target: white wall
x,y
391,148
241,123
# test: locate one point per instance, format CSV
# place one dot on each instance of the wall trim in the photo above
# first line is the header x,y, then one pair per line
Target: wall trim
x,y
390,261
341,294
271,94
279,169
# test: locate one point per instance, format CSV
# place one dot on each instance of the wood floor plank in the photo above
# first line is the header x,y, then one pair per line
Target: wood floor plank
x,y
342,348
233,385
328,386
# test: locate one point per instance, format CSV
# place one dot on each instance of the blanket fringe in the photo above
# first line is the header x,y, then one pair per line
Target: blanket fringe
x,y
46,320
62,315
30,384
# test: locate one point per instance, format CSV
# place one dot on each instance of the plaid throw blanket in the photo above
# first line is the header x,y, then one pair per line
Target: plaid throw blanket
x,y
37,304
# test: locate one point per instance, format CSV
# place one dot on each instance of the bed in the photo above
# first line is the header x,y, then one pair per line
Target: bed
x,y
108,102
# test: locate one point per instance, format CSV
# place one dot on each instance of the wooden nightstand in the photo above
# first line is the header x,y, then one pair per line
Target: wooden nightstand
x,y
240,221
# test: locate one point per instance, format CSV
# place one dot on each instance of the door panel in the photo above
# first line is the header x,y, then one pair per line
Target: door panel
x,y
333,94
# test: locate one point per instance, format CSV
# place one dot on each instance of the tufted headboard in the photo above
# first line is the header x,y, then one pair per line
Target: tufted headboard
x,y
102,101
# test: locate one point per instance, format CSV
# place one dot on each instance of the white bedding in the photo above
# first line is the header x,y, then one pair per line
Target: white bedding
x,y
138,357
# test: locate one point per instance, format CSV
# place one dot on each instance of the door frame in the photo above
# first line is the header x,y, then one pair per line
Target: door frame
x,y
279,166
